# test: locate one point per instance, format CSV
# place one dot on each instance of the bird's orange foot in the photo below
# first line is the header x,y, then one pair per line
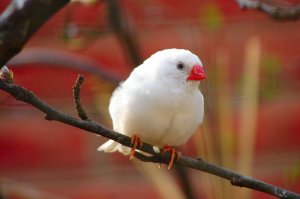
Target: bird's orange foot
x,y
173,154
136,142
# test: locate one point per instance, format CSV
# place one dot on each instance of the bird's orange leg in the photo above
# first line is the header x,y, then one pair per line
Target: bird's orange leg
x,y
136,142
173,154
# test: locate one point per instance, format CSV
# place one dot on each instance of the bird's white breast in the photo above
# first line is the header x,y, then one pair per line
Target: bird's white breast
x,y
157,114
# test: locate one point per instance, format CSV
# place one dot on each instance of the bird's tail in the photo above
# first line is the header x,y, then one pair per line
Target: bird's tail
x,y
112,146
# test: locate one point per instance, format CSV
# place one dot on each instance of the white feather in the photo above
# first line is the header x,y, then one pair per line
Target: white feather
x,y
157,103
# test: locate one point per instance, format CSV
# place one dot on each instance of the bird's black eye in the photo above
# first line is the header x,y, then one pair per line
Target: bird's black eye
x,y
180,66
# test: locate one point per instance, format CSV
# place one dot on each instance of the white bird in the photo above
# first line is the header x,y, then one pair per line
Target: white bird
x,y
160,102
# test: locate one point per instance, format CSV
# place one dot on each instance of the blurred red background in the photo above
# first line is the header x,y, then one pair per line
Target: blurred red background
x,y
57,159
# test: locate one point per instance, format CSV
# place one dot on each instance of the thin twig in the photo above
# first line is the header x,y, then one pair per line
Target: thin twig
x,y
275,10
76,93
235,178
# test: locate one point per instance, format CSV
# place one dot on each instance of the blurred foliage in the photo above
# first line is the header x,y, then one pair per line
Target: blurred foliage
x,y
271,67
103,90
220,41
85,2
292,173
211,16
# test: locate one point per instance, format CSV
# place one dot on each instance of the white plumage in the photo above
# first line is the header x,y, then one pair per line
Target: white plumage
x,y
160,101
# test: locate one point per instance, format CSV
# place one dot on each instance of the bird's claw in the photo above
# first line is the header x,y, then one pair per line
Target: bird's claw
x,y
173,154
136,142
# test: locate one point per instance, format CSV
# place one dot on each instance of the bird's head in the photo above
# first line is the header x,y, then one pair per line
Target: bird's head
x,y
176,65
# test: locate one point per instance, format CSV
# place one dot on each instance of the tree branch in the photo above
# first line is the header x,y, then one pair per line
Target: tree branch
x,y
76,93
124,34
92,126
275,10
20,20
63,59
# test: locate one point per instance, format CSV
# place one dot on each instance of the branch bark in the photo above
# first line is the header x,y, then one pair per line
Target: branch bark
x,y
275,10
92,126
76,94
20,20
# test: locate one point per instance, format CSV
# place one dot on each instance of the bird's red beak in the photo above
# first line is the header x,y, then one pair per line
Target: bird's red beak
x,y
197,73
